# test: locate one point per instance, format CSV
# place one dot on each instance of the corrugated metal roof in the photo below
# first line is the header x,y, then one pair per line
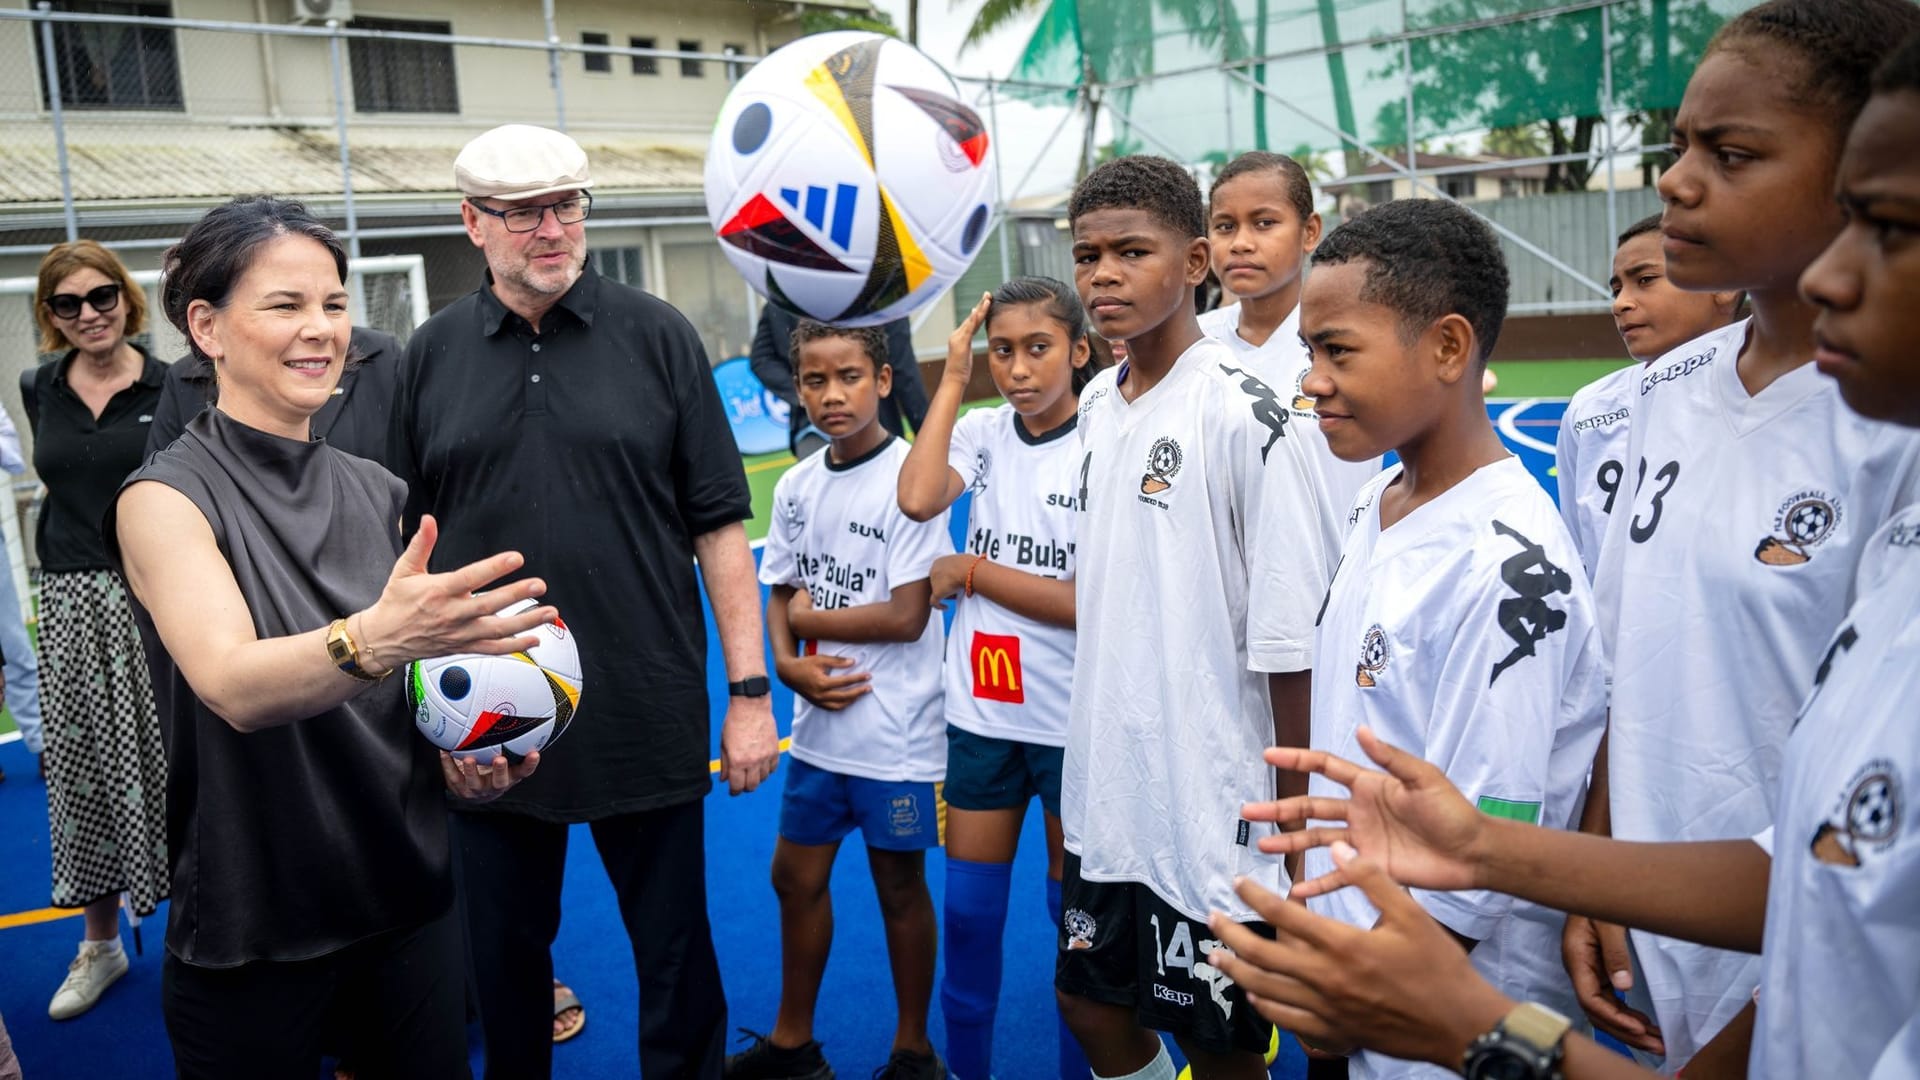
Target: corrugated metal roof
x,y
203,161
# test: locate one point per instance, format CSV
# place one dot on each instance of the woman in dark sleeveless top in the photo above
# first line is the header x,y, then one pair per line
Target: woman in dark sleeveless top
x,y
305,818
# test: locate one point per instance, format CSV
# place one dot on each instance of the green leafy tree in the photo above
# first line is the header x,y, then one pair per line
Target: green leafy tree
x,y
818,21
1539,76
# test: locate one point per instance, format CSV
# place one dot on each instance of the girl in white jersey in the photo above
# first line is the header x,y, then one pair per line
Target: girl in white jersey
x,y
1840,969
1009,666
1261,227
1750,490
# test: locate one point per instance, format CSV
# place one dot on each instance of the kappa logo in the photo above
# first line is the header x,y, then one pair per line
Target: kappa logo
x,y
982,465
1176,997
1679,369
1374,655
1803,521
996,668
1080,928
1216,980
1904,536
1163,464
1866,818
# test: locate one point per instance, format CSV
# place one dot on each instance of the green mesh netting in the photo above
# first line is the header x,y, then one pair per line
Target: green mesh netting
x,y
1162,66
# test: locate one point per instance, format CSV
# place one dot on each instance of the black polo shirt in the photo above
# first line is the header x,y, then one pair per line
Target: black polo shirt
x,y
83,460
355,419
598,448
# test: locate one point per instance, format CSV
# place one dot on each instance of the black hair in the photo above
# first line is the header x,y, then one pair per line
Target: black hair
x,y
218,249
1648,224
871,339
1299,187
1839,43
1901,71
1061,304
1160,187
1426,259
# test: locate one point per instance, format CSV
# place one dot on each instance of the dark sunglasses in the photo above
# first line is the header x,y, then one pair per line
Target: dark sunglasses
x,y
67,305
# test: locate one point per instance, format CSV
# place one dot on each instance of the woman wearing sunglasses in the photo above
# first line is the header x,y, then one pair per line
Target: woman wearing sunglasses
x,y
106,773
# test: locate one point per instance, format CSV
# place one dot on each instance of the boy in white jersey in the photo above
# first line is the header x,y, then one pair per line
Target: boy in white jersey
x,y
1751,488
1199,508
1654,317
1458,625
1840,969
1261,227
849,573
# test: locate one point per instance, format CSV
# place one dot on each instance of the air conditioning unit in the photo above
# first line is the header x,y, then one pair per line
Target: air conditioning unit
x,y
319,11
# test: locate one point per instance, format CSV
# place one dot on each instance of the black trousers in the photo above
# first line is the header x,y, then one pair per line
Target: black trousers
x,y
401,995
509,869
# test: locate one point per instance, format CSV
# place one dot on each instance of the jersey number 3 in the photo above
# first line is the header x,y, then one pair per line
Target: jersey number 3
x,y
1642,531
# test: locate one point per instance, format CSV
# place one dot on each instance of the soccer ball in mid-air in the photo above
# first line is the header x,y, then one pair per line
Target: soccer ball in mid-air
x,y
483,707
847,181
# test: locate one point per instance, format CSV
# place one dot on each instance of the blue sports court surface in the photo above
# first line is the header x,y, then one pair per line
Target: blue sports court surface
x,y
123,1038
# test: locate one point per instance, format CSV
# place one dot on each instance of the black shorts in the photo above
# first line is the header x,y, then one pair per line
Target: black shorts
x,y
1121,944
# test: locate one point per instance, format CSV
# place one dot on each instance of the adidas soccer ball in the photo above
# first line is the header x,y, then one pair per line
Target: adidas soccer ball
x,y
847,181
483,707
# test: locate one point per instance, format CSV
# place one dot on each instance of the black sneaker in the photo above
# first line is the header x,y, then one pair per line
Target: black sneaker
x,y
764,1061
907,1065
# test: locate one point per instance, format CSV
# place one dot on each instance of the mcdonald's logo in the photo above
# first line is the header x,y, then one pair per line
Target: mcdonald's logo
x,y
996,668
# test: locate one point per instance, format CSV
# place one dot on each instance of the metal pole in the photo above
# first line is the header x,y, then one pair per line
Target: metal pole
x,y
1007,197
356,289
1399,169
1606,116
59,126
553,67
1150,136
999,179
1406,62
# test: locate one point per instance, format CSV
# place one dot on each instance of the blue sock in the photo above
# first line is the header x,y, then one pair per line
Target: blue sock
x,y
976,922
1073,1063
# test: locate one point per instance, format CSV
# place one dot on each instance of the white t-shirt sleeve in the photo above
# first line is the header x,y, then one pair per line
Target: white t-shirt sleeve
x,y
963,450
910,553
1284,529
776,558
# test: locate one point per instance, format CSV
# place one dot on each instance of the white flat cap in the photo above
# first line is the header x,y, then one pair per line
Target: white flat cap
x,y
520,161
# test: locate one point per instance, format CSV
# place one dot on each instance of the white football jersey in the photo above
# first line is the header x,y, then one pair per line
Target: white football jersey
x,y
1588,457
1720,581
1009,676
838,532
1283,363
1840,974
1199,508
1465,633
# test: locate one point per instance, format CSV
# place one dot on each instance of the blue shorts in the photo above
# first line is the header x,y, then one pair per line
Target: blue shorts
x,y
821,807
985,773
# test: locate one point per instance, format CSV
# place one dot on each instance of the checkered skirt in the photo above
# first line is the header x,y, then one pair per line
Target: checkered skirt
x,y
106,771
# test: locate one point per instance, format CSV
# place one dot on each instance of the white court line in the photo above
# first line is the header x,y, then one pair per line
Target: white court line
x,y
11,736
1511,430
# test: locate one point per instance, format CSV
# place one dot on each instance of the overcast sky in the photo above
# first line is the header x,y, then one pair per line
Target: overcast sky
x,y
1024,130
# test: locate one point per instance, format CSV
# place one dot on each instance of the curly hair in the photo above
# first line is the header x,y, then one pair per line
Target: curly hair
x,y
1425,259
63,261
1160,187
871,339
1901,70
1299,187
1839,45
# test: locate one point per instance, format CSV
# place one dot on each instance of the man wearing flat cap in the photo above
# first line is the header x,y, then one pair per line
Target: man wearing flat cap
x,y
575,420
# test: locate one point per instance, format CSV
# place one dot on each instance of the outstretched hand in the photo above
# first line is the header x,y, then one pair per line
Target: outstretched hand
x,y
1409,820
1404,988
423,614
960,343
479,783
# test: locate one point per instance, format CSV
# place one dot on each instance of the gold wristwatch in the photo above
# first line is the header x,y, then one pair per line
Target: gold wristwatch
x,y
346,654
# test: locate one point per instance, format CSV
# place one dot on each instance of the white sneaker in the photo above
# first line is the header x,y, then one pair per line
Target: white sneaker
x,y
91,972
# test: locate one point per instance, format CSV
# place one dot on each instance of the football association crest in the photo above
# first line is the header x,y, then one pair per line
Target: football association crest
x,y
1803,521
1866,820
1302,401
1373,656
1080,929
1163,464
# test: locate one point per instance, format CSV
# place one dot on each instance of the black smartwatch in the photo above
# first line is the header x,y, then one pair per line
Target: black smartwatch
x,y
1526,1045
751,686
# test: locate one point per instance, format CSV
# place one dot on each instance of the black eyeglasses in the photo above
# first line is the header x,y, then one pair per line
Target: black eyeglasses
x,y
66,305
523,219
